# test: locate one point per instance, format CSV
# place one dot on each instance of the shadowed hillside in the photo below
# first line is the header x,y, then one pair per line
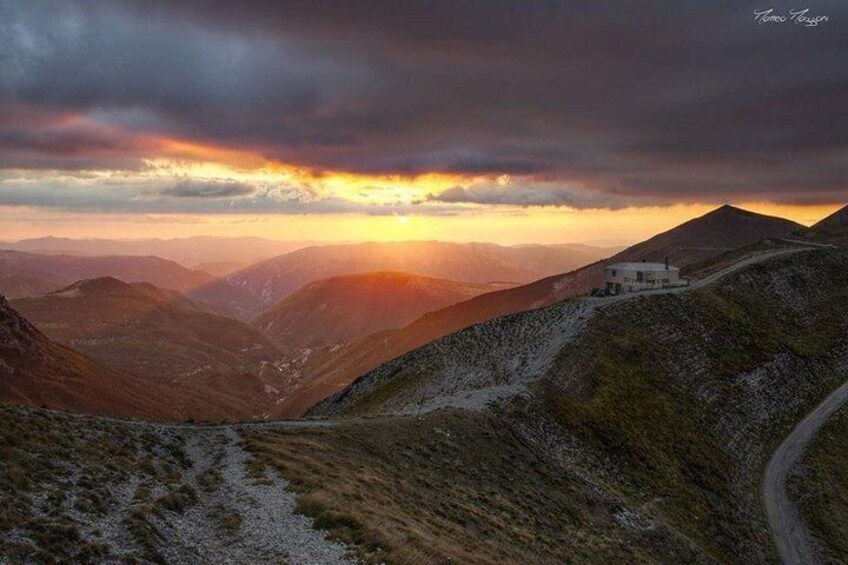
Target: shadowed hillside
x,y
145,330
36,371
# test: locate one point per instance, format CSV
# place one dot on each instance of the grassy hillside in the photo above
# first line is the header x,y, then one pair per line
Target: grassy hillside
x,y
71,486
36,371
79,489
456,487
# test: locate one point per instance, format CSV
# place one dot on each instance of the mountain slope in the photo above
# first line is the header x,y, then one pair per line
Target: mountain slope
x,y
341,309
36,371
265,283
717,232
14,286
672,402
145,330
833,229
66,269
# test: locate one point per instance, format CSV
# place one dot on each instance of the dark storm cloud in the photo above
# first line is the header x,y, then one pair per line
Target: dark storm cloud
x,y
77,192
522,194
218,189
647,102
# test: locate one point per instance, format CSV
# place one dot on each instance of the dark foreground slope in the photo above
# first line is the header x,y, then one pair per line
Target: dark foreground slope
x,y
146,330
667,407
87,490
691,243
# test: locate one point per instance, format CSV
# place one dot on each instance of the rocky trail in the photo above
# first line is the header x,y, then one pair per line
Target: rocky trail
x,y
239,518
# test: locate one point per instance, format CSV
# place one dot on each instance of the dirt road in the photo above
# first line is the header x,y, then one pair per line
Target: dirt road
x,y
790,533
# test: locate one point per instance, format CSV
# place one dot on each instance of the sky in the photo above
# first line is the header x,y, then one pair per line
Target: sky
x,y
484,120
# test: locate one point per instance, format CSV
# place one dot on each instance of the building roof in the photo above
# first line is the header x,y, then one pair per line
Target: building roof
x,y
652,267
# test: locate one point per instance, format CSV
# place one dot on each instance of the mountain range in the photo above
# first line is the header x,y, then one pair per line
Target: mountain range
x,y
329,332
37,371
717,232
247,292
21,272
191,252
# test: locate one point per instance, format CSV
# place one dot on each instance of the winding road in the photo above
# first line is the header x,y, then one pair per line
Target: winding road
x,y
789,532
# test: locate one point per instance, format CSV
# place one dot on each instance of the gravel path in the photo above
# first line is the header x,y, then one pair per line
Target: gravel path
x,y
237,518
790,533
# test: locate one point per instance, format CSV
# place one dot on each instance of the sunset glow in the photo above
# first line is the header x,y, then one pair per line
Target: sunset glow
x,y
232,127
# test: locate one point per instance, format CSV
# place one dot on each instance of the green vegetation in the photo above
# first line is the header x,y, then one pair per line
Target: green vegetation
x,y
653,434
822,489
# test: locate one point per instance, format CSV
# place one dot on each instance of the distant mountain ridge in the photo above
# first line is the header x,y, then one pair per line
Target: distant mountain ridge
x,y
246,292
345,308
63,270
188,251
719,231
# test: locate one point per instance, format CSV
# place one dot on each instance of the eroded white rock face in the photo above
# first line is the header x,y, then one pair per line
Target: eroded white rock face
x,y
481,364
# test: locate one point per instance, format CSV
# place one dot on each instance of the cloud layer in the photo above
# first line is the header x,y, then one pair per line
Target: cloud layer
x,y
600,105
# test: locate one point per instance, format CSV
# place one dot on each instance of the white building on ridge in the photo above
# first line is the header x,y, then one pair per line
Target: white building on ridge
x,y
634,277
